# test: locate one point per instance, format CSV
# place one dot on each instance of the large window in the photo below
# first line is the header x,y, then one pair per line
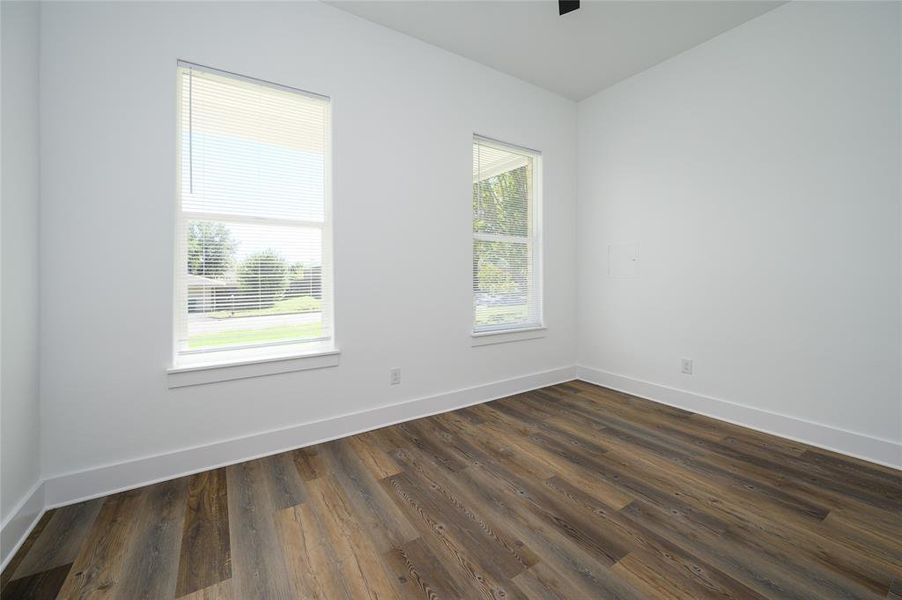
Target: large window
x,y
253,276
507,246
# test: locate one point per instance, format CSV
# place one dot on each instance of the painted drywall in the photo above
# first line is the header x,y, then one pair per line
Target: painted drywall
x,y
19,202
403,116
760,175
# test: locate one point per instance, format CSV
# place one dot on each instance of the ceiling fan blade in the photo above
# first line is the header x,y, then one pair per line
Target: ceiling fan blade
x,y
565,6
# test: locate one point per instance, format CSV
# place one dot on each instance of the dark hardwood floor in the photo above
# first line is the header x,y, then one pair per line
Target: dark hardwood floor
x,y
572,491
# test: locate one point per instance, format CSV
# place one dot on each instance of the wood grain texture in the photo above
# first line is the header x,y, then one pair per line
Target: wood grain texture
x,y
258,565
895,590
60,539
39,586
309,556
363,573
571,491
25,549
97,570
420,573
218,591
205,557
149,570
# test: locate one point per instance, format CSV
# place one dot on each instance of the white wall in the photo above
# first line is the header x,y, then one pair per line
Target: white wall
x,y
19,143
760,174
404,114
775,266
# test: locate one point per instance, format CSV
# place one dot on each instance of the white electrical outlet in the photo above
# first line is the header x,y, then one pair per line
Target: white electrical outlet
x,y
395,377
686,367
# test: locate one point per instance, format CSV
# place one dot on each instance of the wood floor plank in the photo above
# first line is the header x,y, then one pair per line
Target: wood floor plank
x,y
218,591
895,590
849,464
681,565
743,445
459,547
643,573
821,558
205,557
38,586
586,571
415,434
25,549
542,506
372,454
384,521
258,567
524,454
541,582
866,537
745,516
652,459
98,567
61,538
749,494
569,491
286,486
510,555
455,491
364,575
873,492
309,555
503,494
420,574
766,570
307,462
150,570
700,427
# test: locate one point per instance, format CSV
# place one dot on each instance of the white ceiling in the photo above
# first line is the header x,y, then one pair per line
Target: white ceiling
x,y
574,55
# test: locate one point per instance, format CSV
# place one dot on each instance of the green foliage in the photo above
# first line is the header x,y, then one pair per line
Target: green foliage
x,y
211,249
301,304
296,271
501,207
256,336
492,278
263,277
501,203
498,315
500,267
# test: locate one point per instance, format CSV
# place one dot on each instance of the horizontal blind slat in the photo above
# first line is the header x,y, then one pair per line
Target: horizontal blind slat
x,y
506,291
254,268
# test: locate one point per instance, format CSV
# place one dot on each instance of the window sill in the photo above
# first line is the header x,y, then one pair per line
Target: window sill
x,y
503,336
202,371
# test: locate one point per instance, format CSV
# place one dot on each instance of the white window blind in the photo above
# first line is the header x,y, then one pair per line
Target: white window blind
x,y
253,261
506,237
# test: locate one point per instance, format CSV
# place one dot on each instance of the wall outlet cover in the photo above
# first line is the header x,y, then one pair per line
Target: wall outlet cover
x,y
686,366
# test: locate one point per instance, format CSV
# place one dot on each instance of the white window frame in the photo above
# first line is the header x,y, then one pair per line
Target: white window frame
x,y
194,367
534,240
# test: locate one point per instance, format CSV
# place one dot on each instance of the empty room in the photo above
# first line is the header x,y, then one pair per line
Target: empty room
x,y
353,299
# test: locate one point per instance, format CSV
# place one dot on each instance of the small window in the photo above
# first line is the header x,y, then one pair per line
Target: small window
x,y
253,271
507,244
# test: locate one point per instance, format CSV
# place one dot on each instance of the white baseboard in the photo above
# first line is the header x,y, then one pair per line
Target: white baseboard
x,y
20,522
859,445
100,481
69,488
